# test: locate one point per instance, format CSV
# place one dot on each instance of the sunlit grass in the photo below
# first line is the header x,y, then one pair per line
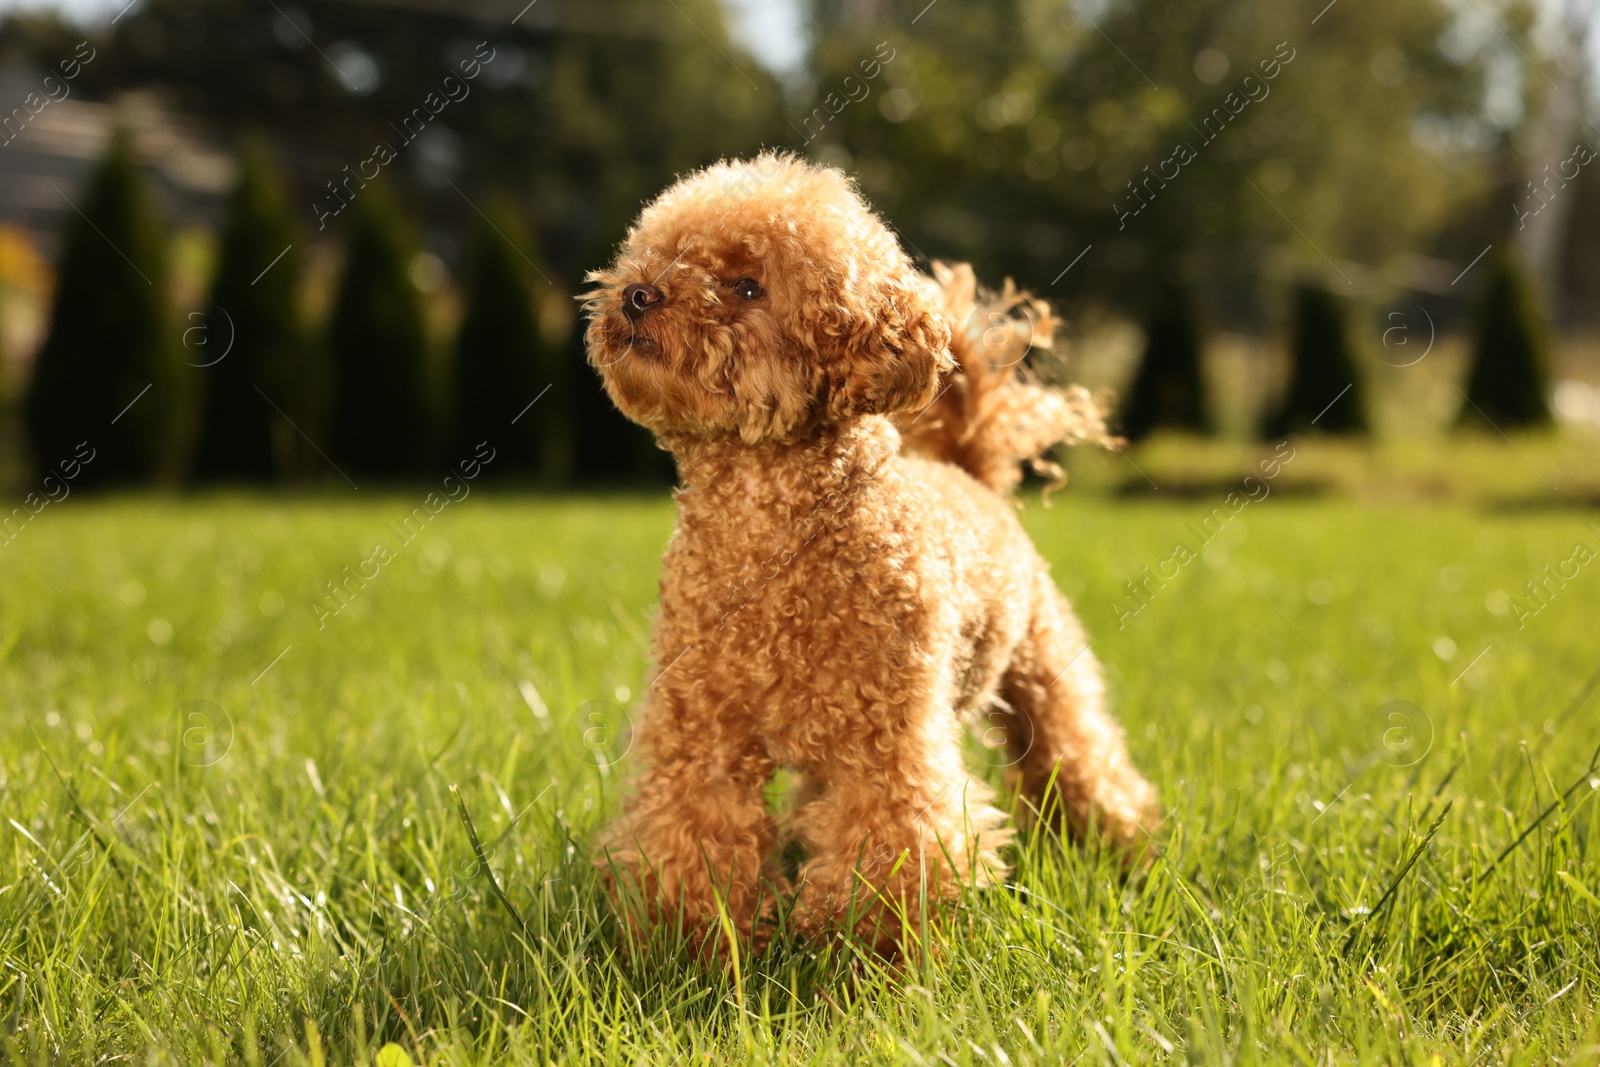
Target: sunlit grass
x,y
230,833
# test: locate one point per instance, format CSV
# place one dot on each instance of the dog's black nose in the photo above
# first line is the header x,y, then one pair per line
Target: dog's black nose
x,y
639,298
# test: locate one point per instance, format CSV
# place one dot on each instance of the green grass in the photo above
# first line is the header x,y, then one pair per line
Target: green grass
x,y
287,879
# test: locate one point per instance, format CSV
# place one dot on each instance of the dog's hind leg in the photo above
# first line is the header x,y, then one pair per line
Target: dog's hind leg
x,y
1069,762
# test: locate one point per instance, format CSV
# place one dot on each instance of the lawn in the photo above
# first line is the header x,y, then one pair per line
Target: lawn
x,y
232,834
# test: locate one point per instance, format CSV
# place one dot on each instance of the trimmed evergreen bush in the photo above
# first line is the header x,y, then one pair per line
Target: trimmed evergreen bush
x,y
377,341
254,307
1167,391
1323,365
501,361
1509,379
111,342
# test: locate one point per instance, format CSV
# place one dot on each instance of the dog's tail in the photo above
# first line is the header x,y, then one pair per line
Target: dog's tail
x,y
991,415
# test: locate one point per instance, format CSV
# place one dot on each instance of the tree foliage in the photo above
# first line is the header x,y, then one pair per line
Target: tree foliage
x,y
1209,141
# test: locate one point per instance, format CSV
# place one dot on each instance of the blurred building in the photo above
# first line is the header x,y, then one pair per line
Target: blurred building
x,y
43,164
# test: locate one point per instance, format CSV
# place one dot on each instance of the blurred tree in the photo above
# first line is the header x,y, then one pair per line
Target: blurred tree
x,y
377,340
1167,391
1507,385
501,361
1162,137
105,376
251,349
1322,369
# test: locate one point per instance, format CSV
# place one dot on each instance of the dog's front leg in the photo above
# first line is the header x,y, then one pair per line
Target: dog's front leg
x,y
898,826
695,831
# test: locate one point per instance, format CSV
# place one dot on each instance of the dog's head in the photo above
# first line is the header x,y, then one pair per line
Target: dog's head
x,y
764,298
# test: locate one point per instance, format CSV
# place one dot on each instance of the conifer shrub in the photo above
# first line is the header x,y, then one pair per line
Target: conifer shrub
x,y
254,385
1322,367
1509,380
378,346
502,363
105,380
1167,390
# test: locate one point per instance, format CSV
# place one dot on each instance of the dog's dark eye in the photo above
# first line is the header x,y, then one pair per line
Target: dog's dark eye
x,y
749,288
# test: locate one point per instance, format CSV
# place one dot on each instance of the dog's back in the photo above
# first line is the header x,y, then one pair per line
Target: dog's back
x,y
990,417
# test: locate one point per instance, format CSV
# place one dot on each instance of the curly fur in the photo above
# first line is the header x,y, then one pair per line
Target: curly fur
x,y
830,602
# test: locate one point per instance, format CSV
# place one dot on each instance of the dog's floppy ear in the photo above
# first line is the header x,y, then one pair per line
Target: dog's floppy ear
x,y
895,348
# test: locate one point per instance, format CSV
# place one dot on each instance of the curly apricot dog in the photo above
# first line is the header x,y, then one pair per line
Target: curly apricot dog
x,y
847,580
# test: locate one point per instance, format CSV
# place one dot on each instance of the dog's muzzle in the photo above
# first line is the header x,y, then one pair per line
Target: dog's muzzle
x,y
639,298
